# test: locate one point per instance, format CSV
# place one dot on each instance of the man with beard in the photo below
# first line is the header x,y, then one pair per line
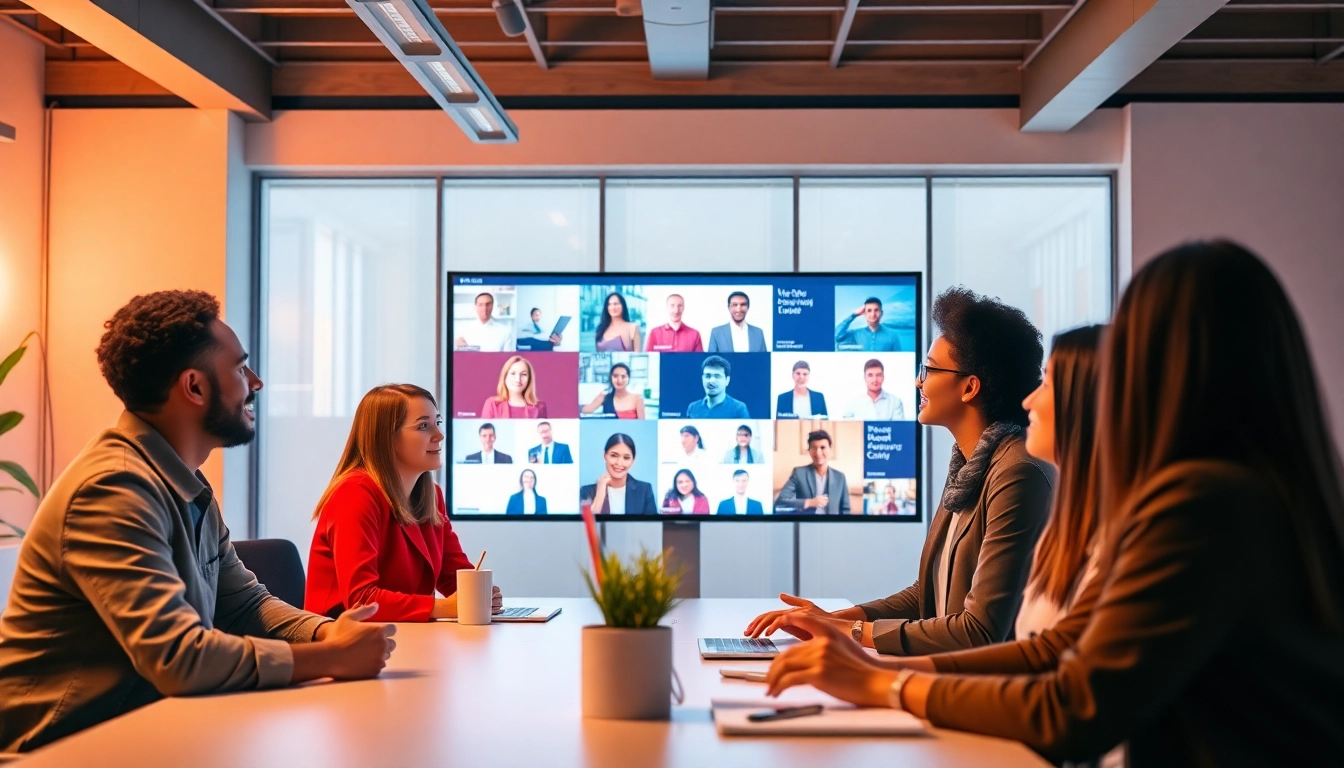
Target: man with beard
x,y
128,587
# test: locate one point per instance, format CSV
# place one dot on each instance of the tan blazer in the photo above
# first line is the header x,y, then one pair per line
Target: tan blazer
x,y
992,549
116,603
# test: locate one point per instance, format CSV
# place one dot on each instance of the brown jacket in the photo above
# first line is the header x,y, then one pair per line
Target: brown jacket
x,y
116,602
991,557
1195,643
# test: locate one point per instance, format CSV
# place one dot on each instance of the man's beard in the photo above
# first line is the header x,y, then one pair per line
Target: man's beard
x,y
231,427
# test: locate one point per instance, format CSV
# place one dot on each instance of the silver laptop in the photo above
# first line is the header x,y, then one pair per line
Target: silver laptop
x,y
742,647
523,615
538,615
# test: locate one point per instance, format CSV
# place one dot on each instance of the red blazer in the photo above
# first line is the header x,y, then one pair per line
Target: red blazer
x,y
361,555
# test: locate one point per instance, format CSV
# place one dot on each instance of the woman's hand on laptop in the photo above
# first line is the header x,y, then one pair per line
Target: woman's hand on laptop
x,y
767,623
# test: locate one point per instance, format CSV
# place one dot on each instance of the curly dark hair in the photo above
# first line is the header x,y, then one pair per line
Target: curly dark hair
x,y
151,340
996,343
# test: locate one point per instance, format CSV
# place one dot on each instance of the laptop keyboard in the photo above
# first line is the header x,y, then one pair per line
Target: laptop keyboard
x,y
745,645
515,613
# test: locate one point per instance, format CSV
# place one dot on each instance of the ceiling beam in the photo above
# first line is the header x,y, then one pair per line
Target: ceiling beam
x,y
842,34
1166,78
1101,49
976,78
97,78
1331,56
175,43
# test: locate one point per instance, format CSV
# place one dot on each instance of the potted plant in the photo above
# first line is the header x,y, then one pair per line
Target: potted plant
x,y
8,421
627,661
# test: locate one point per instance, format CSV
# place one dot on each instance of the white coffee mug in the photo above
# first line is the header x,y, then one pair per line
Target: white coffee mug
x,y
474,595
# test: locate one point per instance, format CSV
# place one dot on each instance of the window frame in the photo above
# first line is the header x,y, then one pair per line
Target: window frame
x,y
259,217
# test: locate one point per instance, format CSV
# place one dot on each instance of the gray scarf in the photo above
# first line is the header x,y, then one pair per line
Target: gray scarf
x,y
966,478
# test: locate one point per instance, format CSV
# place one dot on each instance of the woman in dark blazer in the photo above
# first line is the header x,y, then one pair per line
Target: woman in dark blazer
x,y
1217,634
616,492
802,373
518,502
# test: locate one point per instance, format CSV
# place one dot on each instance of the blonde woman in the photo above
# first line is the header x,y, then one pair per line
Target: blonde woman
x,y
382,529
516,395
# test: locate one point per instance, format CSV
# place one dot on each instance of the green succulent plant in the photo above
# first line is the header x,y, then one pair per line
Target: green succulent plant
x,y
8,421
637,594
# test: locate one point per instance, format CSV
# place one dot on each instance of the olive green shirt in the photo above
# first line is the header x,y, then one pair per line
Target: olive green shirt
x,y
120,597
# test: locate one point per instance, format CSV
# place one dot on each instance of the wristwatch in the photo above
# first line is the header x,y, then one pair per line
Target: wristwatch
x,y
894,692
856,631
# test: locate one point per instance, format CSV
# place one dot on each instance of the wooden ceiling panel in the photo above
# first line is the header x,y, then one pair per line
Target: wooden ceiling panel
x,y
768,48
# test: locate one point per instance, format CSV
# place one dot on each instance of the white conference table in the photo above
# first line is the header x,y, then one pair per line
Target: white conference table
x,y
498,695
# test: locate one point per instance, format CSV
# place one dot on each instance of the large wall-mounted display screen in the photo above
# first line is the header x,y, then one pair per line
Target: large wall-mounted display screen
x,y
730,397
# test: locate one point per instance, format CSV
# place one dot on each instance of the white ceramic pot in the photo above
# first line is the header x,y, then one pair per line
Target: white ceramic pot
x,y
627,673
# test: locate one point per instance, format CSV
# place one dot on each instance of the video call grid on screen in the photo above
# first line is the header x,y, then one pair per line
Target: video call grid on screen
x,y
717,380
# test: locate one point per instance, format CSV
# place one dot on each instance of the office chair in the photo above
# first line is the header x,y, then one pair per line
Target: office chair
x,y
277,566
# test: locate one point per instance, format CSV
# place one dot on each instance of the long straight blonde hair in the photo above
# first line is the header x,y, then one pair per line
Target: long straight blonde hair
x,y
370,448
529,392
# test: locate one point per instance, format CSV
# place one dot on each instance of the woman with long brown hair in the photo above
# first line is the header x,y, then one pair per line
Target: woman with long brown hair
x,y
1063,431
382,528
1216,636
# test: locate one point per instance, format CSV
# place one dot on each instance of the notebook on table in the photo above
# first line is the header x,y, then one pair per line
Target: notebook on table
x,y
742,647
836,719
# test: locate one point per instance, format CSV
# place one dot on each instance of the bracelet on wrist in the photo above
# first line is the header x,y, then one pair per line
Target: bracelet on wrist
x,y
894,692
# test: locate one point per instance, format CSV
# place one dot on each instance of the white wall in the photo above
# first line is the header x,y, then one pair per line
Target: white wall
x,y
1270,176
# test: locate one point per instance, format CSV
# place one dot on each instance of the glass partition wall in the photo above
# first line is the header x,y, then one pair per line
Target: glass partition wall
x,y
352,295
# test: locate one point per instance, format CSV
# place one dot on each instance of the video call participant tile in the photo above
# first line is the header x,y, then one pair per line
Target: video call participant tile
x,y
715,386
639,442
516,489
619,385
892,497
519,385
818,468
875,318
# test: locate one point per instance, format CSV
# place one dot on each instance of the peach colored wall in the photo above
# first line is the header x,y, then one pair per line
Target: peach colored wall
x,y
138,204
423,139
22,62
1268,175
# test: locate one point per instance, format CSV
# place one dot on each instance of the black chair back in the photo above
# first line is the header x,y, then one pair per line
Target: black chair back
x,y
277,566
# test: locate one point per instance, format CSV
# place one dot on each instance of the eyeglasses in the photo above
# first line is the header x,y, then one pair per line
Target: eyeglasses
x,y
925,370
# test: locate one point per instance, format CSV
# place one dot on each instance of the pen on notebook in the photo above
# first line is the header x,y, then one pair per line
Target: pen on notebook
x,y
785,713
